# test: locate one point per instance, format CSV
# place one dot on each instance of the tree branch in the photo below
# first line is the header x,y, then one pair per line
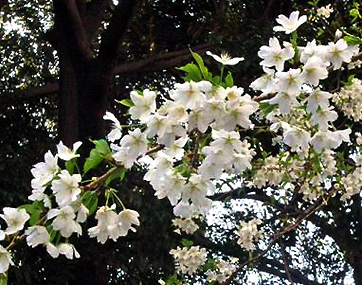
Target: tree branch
x,y
96,10
69,19
156,62
276,268
112,39
303,216
159,61
9,98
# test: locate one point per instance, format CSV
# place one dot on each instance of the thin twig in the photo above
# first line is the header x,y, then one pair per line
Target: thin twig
x,y
304,215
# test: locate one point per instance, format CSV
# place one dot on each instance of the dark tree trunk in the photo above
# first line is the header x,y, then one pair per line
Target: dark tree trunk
x,y
86,83
95,86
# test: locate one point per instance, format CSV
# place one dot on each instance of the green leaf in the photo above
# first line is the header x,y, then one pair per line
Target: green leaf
x,y
102,147
354,13
52,232
3,279
229,81
204,71
187,243
216,80
92,161
192,71
350,81
210,263
126,102
266,108
313,3
352,40
90,200
173,280
70,165
100,152
119,173
35,217
31,208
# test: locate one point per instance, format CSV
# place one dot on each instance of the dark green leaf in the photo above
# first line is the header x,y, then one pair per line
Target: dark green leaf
x,y
119,173
70,165
187,243
100,152
90,200
266,108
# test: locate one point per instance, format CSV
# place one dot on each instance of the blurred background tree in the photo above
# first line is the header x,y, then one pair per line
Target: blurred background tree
x,y
63,64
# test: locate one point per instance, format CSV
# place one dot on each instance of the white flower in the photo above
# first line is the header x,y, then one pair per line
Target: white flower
x,y
314,70
296,138
226,141
68,250
248,234
15,219
66,189
5,260
188,260
289,81
52,250
289,25
176,149
127,218
187,225
225,59
116,132
107,226
44,172
64,221
318,98
325,11
265,83
340,52
285,101
322,116
189,94
82,213
144,105
37,235
65,153
274,55
183,209
312,49
196,190
329,140
131,146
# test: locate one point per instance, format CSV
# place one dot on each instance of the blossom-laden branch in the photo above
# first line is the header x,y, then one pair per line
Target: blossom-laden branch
x,y
322,201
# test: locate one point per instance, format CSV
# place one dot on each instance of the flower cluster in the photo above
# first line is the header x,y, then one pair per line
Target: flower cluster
x,y
349,100
325,11
110,225
186,225
249,234
59,204
194,109
188,260
223,270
